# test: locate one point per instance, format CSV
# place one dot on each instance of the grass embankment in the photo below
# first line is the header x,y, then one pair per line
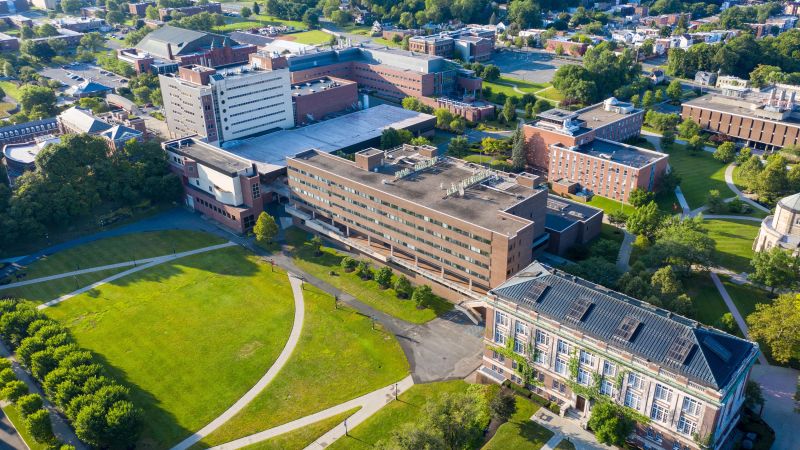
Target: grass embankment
x,y
302,438
520,432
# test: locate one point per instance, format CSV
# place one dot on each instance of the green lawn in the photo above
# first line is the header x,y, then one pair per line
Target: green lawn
x,y
367,292
11,89
551,93
14,415
700,173
520,432
608,231
339,357
745,296
608,205
734,242
708,304
387,42
505,85
256,21
565,445
302,438
188,337
395,415
5,107
49,290
312,37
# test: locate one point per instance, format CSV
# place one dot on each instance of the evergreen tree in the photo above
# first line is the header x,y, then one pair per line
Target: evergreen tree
x,y
518,159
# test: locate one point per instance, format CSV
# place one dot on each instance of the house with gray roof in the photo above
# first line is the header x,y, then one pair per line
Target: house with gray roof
x,y
587,343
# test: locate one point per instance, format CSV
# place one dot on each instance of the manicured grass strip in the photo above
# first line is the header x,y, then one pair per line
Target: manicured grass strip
x,y
49,290
387,42
608,205
188,337
312,37
365,291
700,173
520,432
339,357
708,304
119,249
551,93
256,21
11,89
505,85
608,231
302,438
745,296
396,414
734,242
14,415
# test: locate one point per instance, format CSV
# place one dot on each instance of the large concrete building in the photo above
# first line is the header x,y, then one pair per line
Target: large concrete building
x,y
781,229
316,99
762,120
456,223
580,150
218,184
687,378
228,104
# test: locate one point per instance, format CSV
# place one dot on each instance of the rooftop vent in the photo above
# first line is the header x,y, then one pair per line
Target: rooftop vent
x,y
579,308
679,350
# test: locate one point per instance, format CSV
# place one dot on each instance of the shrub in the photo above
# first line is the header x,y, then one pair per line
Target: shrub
x,y
6,376
28,404
422,296
363,271
539,400
39,426
553,407
14,390
4,364
519,390
402,286
384,277
348,264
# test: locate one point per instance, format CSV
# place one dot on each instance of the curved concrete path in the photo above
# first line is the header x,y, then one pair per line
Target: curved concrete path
x,y
625,249
732,186
152,263
283,358
369,403
737,316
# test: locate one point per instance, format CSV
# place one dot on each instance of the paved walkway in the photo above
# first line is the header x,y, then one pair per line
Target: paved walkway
x,y
61,429
10,439
154,262
283,358
682,200
624,257
737,316
732,186
369,404
565,428
778,385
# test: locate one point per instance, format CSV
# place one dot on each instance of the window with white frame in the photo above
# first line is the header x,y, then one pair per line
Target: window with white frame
x,y
498,356
542,338
584,377
635,380
691,406
632,399
540,357
520,328
609,369
659,413
563,347
500,319
519,346
499,336
686,426
561,366
607,388
587,358
662,393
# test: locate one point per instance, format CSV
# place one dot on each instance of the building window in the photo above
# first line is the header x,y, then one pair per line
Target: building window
x,y
635,380
500,319
563,348
561,366
542,338
691,406
587,358
632,399
609,369
540,357
520,328
686,426
519,346
663,393
256,190
249,221
659,413
498,356
584,377
499,337
607,388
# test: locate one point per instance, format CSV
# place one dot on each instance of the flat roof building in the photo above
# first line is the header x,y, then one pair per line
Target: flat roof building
x,y
582,147
21,157
569,223
466,227
687,378
28,131
314,100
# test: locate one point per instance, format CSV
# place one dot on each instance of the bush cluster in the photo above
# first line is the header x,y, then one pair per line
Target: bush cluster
x,y
421,295
98,407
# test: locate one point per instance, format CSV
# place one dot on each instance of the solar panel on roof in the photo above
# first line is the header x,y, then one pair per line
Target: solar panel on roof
x,y
679,350
627,328
579,309
717,348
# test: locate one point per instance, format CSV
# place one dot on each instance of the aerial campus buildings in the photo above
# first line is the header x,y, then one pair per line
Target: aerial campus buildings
x,y
781,229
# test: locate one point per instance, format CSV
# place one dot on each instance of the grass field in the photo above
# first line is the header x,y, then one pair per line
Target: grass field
x,y
256,21
608,231
699,173
382,41
49,290
608,205
734,242
395,415
339,357
551,93
188,337
505,85
520,432
745,296
708,304
312,37
119,249
302,438
15,417
11,89
365,291
5,107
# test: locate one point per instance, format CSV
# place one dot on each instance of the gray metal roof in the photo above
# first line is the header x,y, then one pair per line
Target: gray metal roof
x,y
714,356
183,41
792,202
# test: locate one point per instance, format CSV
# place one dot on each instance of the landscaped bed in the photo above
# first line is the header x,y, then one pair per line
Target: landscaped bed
x,y
340,356
368,292
188,337
520,432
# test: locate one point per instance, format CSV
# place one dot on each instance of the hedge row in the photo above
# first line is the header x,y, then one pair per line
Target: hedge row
x,y
535,398
98,407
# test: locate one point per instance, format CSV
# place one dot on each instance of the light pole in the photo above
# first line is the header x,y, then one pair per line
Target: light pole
x,y
346,433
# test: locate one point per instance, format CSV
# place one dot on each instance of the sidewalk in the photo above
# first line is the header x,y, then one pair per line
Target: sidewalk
x,y
567,429
735,312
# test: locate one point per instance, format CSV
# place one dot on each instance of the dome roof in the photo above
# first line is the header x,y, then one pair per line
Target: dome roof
x,y
792,203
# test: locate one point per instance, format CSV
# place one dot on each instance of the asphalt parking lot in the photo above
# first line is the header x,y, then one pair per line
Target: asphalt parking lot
x,y
534,66
86,72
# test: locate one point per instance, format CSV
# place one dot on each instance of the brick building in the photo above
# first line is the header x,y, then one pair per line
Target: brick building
x,y
28,131
569,223
316,99
228,104
689,379
139,9
765,121
566,47
580,150
469,44
8,43
217,183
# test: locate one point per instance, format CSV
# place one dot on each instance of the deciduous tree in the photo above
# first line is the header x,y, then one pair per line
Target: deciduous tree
x,y
778,325
265,228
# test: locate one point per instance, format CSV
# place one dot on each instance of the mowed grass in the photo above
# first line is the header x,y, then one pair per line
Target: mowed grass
x,y
15,417
339,357
745,296
608,205
11,89
393,416
312,37
48,290
256,21
706,300
506,85
187,337
368,292
734,242
127,247
700,173
520,432
302,438
551,93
